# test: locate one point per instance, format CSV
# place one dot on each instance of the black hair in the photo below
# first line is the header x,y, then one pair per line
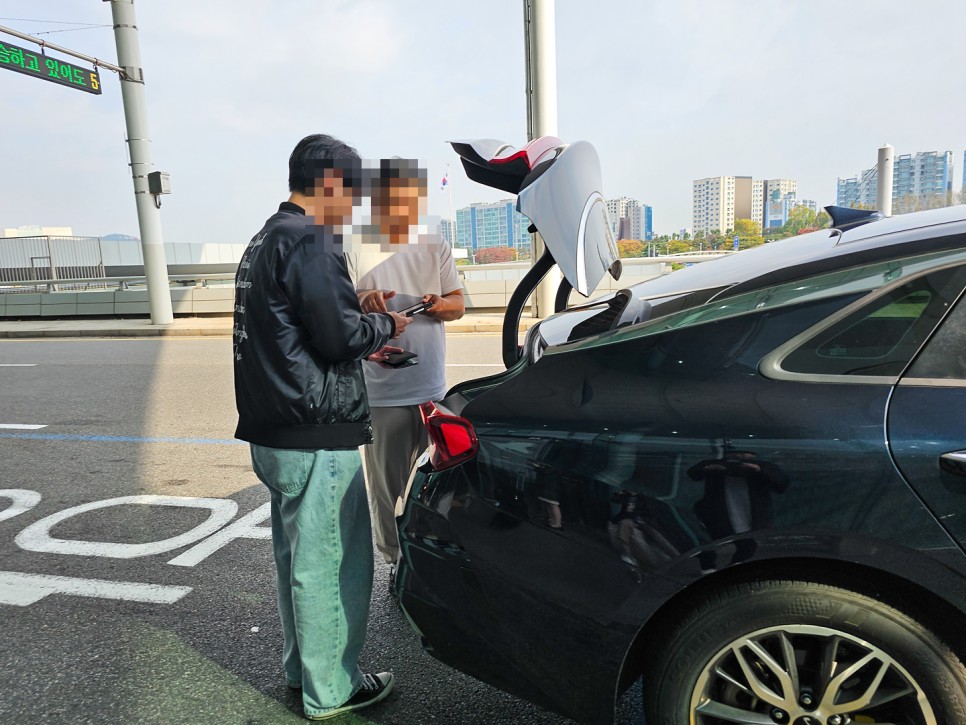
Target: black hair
x,y
315,153
394,171
399,168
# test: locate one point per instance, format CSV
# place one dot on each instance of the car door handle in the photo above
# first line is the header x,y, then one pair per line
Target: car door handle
x,y
954,462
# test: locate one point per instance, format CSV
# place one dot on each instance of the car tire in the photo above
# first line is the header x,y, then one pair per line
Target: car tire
x,y
727,661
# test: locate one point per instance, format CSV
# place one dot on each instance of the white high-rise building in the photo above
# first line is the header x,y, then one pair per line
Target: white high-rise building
x,y
758,201
447,228
719,200
782,186
636,217
617,210
713,204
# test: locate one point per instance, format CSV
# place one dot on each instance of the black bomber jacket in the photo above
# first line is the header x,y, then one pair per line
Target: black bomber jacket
x,y
299,336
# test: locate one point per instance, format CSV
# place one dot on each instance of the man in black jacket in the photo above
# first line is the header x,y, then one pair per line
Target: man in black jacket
x,y
299,339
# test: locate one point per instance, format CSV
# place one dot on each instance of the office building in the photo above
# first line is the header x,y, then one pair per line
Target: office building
x,y
496,224
646,221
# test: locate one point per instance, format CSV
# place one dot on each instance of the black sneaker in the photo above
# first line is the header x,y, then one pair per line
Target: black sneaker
x,y
374,689
392,581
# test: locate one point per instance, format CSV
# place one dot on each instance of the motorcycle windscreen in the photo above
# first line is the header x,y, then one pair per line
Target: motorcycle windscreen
x,y
562,197
500,165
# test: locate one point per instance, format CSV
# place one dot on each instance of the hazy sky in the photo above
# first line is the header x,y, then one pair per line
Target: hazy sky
x,y
667,90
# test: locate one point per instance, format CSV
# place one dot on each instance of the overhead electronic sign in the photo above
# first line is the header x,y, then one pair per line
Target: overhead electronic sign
x,y
50,69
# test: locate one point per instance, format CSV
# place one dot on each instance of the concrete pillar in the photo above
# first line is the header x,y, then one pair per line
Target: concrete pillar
x,y
884,169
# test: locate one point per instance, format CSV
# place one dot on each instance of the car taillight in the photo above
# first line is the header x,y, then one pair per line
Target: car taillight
x,y
452,439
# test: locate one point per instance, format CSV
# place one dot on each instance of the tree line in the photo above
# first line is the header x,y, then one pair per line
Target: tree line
x,y
801,220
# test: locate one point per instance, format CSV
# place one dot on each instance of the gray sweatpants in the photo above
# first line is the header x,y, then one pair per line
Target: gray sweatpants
x,y
398,438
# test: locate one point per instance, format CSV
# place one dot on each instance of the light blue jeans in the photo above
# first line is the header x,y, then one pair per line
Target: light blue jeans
x,y
322,541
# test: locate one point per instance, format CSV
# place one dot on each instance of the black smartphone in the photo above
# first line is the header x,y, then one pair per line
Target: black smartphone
x,y
400,359
416,309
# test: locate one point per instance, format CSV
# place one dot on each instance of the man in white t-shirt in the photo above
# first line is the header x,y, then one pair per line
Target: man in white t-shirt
x,y
397,266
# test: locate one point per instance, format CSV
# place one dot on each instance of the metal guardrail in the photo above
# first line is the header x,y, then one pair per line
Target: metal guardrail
x,y
51,262
701,253
122,283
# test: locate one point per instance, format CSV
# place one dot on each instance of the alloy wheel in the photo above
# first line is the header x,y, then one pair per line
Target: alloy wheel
x,y
806,675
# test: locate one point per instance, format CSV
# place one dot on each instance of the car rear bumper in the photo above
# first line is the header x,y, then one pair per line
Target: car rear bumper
x,y
465,626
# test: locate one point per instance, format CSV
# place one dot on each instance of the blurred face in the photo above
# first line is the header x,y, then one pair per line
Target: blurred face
x,y
398,205
329,200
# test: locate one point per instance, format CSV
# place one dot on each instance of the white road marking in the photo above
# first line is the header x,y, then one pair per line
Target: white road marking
x,y
21,589
18,365
475,365
23,500
244,528
36,537
21,426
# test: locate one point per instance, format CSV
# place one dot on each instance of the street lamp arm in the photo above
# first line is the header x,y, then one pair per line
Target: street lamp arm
x,y
45,44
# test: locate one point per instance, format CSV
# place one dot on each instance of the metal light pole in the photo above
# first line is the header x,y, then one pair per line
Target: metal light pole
x,y
139,145
883,196
452,216
541,61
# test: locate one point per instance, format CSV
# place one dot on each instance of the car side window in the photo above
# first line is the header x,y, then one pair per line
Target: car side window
x,y
880,338
944,356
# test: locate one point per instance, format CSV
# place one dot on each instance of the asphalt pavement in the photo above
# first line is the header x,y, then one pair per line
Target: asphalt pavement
x,y
136,578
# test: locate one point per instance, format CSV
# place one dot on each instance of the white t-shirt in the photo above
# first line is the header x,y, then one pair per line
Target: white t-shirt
x,y
414,271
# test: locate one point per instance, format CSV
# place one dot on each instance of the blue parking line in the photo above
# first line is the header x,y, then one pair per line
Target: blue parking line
x,y
123,439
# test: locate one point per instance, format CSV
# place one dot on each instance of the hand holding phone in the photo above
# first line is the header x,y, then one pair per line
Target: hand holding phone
x,y
416,309
401,359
